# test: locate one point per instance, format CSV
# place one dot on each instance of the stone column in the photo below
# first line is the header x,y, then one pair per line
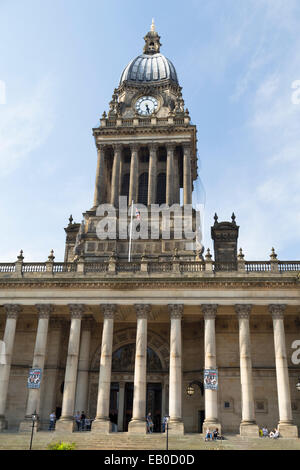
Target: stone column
x,y
34,394
121,406
83,367
187,175
285,426
138,421
99,197
248,426
115,179
175,370
152,173
12,312
66,421
211,396
134,174
102,422
170,173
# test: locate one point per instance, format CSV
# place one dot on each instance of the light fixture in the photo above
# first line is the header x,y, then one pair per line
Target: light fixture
x,y
298,385
34,418
190,390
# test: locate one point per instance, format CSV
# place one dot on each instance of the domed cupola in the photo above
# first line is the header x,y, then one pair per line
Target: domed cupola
x,y
151,66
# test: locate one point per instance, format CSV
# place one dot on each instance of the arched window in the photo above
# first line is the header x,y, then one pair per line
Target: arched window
x,y
124,358
161,189
143,189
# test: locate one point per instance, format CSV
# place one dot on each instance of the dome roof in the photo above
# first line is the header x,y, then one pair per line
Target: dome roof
x,y
149,68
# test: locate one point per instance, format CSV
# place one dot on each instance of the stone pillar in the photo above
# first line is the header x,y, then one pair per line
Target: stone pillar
x,y
83,367
66,421
248,426
34,394
12,312
175,370
138,421
121,406
115,179
152,173
176,184
99,197
48,396
285,426
134,174
211,396
170,173
102,422
187,174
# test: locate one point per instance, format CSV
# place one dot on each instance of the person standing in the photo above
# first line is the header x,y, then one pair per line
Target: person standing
x,y
82,420
52,421
77,420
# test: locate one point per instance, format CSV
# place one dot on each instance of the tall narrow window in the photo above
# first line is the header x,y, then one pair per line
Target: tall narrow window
x,y
143,189
161,189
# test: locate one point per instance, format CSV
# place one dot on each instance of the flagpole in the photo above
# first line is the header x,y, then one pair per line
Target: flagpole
x,y
130,233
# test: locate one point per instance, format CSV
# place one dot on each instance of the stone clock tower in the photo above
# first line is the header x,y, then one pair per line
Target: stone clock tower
x,y
146,149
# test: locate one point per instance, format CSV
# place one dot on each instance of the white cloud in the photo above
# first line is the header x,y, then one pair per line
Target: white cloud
x,y
25,125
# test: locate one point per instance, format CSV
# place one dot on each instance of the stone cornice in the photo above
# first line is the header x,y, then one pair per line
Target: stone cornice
x,y
149,283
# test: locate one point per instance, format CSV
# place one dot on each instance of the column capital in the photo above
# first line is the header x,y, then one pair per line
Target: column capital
x,y
142,310
243,310
109,310
44,310
186,145
153,146
134,147
76,310
117,147
171,146
209,310
101,147
12,310
176,311
277,311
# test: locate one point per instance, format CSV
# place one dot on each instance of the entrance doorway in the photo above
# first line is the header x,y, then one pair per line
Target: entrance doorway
x,y
201,417
153,404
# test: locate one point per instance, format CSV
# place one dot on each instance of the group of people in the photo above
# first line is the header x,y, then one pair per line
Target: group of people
x,y
212,435
83,422
263,432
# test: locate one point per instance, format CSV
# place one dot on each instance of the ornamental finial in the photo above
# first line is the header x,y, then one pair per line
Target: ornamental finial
x,y
152,25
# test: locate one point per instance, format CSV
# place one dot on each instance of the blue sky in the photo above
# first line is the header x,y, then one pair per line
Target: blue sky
x,y
236,61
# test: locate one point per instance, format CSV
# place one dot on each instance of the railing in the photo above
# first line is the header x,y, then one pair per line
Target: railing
x,y
151,267
257,266
7,267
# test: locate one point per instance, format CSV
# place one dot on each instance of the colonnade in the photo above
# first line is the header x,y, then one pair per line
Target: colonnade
x,y
172,177
75,383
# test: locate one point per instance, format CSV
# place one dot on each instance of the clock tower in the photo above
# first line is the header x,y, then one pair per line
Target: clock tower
x,y
146,148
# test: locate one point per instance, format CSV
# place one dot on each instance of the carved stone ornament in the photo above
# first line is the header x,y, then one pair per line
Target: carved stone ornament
x,y
176,311
76,310
243,310
142,310
277,311
44,310
108,310
12,310
209,310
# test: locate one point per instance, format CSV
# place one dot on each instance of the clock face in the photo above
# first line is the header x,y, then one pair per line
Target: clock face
x,y
146,105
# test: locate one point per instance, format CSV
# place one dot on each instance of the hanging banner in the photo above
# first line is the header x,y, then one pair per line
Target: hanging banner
x,y
210,379
34,378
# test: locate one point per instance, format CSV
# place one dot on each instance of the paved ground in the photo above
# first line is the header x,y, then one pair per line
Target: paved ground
x,y
122,441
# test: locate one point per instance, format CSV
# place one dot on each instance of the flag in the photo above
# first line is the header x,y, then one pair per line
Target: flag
x,y
137,214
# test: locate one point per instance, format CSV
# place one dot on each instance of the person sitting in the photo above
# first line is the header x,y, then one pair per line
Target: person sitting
x,y
274,434
265,432
215,434
208,436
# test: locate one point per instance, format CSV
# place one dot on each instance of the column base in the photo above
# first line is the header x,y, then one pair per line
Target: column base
x,y
176,427
3,423
65,425
137,426
288,430
103,426
249,429
26,426
211,425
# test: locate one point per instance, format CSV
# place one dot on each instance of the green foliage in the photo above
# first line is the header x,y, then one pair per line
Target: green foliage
x,y
60,445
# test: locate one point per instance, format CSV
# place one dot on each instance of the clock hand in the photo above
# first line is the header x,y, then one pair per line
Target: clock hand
x,y
147,108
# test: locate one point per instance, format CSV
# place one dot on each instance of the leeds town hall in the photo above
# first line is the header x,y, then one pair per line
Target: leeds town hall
x,y
126,325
